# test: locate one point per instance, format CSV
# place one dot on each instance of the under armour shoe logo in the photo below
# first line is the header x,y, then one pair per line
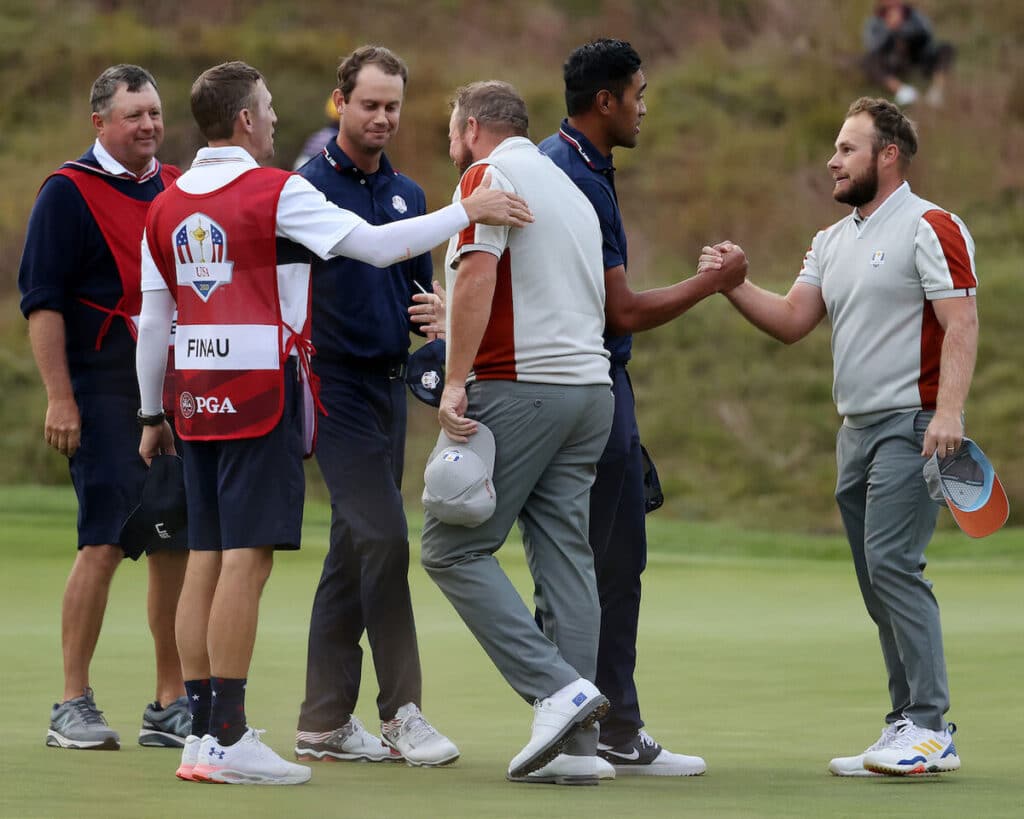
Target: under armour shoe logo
x,y
216,753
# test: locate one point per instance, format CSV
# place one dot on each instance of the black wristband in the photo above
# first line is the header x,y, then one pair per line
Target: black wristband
x,y
151,420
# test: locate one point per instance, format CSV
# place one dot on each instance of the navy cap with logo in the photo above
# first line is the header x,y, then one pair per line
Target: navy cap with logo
x,y
160,521
425,372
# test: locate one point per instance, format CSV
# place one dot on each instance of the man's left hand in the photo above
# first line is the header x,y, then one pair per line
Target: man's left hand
x,y
429,313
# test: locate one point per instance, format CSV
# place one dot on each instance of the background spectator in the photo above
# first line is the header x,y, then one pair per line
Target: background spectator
x,y
318,140
898,40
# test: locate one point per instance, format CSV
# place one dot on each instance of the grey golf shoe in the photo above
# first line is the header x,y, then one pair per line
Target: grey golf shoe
x,y
166,727
78,724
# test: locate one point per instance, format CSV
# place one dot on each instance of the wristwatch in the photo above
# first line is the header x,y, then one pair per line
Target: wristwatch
x,y
154,420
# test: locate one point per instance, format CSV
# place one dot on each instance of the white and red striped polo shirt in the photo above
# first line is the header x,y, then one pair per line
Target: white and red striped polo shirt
x,y
547,316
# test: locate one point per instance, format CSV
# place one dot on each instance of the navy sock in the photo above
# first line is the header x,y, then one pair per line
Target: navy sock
x,y
227,713
198,692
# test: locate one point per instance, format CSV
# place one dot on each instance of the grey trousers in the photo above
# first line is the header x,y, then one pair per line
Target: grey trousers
x,y
548,439
889,520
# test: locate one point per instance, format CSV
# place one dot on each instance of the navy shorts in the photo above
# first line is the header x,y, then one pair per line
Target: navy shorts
x,y
106,471
249,492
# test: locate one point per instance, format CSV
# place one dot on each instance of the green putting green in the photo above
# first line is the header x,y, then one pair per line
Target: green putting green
x,y
755,653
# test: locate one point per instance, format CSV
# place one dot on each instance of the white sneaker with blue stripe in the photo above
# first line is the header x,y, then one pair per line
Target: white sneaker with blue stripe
x,y
916,750
854,765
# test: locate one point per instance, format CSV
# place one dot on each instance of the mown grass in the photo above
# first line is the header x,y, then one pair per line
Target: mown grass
x,y
754,652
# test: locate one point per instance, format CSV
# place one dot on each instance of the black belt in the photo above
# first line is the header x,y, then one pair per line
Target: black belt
x,y
385,368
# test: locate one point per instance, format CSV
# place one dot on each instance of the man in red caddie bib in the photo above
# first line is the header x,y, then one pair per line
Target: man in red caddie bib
x,y
229,245
79,281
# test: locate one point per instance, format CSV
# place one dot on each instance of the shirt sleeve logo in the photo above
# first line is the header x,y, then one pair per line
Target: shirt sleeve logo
x,y
201,255
398,203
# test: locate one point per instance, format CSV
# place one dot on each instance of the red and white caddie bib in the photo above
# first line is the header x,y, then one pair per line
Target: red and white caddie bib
x,y
120,219
217,252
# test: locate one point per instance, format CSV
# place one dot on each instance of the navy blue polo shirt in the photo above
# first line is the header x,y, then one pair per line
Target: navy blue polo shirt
x,y
594,174
361,311
67,259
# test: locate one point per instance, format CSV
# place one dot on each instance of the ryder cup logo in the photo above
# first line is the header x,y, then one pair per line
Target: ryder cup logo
x,y
430,379
877,258
398,203
201,255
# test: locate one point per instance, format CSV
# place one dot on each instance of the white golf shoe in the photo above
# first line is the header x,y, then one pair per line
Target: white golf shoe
x,y
643,756
569,770
417,740
189,757
349,743
247,762
854,765
576,705
915,751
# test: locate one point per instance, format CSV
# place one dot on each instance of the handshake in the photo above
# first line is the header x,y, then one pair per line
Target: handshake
x,y
724,264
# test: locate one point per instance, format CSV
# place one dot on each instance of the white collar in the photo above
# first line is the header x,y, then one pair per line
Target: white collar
x,y
225,153
890,201
510,144
115,168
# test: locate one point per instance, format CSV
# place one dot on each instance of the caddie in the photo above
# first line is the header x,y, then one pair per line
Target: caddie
x,y
229,244
79,282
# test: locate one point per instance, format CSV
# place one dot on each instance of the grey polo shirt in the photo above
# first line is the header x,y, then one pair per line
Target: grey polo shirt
x,y
878,277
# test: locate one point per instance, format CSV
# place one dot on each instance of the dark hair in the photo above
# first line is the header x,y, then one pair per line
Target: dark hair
x,y
891,126
384,58
133,77
601,65
494,104
219,93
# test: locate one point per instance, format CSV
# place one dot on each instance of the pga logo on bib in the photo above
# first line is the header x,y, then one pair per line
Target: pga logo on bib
x,y
191,405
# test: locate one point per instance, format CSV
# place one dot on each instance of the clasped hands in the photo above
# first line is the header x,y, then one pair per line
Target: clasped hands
x,y
725,263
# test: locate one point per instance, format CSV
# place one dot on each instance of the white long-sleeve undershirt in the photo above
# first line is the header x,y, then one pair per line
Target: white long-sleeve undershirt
x,y
151,352
384,245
